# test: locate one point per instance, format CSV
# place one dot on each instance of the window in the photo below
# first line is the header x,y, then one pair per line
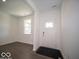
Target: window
x,y
27,26
49,25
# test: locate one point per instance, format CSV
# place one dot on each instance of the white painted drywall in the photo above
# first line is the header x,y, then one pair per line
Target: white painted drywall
x,y
35,24
26,38
70,28
12,28
45,5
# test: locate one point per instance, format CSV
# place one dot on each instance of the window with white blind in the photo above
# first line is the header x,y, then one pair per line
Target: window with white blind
x,y
27,26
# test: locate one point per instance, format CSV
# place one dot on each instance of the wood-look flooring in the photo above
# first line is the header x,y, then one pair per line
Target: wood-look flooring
x,y
21,51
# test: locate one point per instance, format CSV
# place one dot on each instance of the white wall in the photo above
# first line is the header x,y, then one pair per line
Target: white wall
x,y
26,38
70,28
12,28
35,24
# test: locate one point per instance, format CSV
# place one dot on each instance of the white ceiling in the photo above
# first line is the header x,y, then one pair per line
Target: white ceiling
x,y
44,5
22,8
16,7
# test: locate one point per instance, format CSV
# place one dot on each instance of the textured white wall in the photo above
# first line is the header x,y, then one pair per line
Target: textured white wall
x,y
70,28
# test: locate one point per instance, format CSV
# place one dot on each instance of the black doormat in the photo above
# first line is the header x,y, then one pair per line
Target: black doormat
x,y
50,52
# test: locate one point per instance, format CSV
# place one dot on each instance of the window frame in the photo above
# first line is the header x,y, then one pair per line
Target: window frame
x,y
29,26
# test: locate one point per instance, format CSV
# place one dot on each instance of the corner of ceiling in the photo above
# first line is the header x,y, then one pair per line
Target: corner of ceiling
x,y
32,5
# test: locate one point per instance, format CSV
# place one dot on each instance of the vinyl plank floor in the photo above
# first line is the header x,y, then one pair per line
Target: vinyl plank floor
x,y
21,51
